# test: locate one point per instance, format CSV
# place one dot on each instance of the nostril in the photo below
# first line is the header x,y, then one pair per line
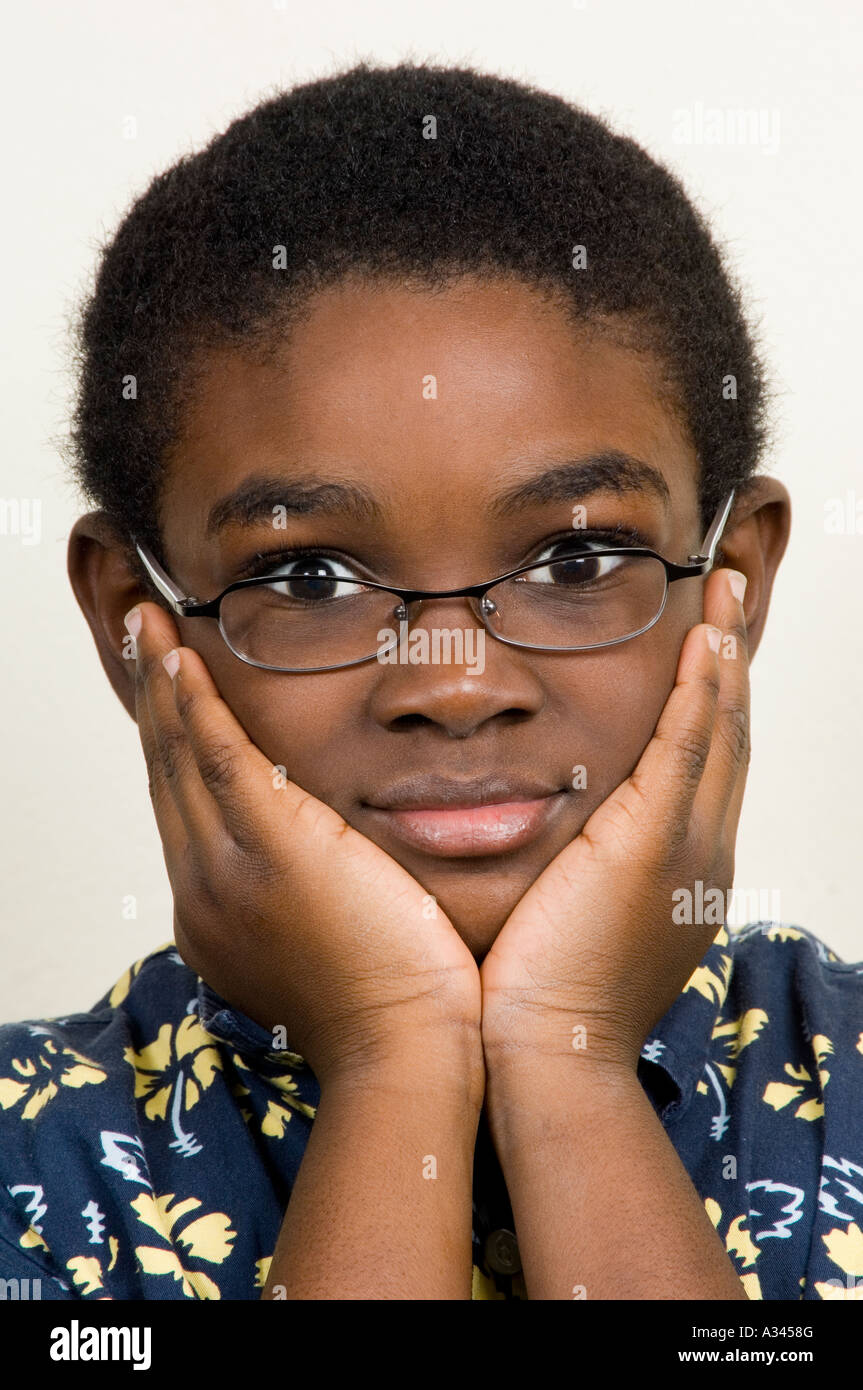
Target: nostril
x,y
410,721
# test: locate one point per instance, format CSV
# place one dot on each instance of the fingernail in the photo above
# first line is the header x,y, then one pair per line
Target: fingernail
x,y
171,662
737,584
133,621
714,637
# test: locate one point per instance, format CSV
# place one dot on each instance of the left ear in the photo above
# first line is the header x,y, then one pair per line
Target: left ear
x,y
754,542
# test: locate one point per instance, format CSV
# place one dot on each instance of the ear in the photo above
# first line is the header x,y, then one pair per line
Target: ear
x,y
106,587
754,543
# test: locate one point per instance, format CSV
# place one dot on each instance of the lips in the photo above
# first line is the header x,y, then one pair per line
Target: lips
x,y
432,792
465,819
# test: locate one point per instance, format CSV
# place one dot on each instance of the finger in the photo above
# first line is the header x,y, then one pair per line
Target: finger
x,y
168,819
174,773
735,806
671,767
230,769
721,788
233,769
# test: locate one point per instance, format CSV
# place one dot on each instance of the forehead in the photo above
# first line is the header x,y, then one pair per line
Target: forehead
x,y
428,395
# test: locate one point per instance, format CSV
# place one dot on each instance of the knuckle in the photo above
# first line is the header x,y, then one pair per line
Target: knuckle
x,y
185,699
712,685
205,886
171,744
677,849
247,847
160,793
218,767
689,751
260,865
208,878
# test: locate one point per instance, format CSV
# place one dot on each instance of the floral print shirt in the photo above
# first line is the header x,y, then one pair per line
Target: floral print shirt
x,y
149,1146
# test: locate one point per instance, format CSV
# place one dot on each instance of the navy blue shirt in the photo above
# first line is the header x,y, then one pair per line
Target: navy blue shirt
x,y
148,1147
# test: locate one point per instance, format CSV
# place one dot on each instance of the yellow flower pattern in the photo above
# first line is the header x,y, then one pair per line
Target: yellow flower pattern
x,y
180,1062
739,1244
207,1237
149,1147
65,1067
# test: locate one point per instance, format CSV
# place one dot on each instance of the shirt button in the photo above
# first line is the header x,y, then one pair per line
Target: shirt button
x,y
501,1252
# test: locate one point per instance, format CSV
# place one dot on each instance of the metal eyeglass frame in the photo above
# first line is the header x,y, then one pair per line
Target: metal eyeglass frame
x,y
185,606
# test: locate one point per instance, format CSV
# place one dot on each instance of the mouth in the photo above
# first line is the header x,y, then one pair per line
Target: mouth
x,y
464,821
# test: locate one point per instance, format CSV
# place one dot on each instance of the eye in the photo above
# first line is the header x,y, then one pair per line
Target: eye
x,y
312,577
576,570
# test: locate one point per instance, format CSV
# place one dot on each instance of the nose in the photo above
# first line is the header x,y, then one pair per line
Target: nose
x,y
449,672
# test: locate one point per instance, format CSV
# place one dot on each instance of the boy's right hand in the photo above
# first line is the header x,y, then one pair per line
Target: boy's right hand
x,y
285,910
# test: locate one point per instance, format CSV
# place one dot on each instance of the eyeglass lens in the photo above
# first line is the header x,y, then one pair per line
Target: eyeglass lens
x,y
316,619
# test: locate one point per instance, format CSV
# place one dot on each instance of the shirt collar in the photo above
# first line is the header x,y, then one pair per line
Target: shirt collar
x,y
246,1036
677,1045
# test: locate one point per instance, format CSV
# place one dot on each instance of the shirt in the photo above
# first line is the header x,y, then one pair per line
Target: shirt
x,y
148,1147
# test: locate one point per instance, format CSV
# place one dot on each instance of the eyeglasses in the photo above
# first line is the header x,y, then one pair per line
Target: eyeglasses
x,y
311,619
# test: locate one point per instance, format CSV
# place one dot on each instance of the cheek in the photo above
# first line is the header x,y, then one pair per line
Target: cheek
x,y
614,701
296,723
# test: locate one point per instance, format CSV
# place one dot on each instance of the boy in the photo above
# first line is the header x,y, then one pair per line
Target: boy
x,y
404,355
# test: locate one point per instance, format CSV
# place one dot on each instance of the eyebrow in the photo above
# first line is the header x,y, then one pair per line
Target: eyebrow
x,y
256,499
611,471
608,471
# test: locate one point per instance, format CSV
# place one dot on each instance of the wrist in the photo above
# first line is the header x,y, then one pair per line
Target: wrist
x,y
445,1060
538,1099
597,1044
539,1072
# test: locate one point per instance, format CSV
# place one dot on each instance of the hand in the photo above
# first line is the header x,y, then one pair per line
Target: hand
x,y
283,908
593,944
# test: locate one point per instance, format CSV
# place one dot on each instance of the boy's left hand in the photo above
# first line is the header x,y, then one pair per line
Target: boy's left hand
x,y
592,944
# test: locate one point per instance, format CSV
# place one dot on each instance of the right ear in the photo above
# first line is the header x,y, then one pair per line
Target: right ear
x,y
106,588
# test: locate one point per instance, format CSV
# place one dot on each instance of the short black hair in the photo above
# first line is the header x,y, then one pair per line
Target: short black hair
x,y
349,175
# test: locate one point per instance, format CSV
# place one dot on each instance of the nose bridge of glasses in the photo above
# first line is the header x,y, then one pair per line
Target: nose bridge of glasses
x,y
444,610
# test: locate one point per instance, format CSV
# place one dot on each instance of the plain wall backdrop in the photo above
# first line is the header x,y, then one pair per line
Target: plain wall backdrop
x,y
98,98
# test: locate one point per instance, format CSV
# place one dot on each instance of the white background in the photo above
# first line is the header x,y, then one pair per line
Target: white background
x,y
77,831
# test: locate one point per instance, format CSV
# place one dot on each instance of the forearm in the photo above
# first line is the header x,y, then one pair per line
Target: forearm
x,y
381,1207
600,1199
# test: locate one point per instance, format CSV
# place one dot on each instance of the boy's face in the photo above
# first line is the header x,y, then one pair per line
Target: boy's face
x,y
517,391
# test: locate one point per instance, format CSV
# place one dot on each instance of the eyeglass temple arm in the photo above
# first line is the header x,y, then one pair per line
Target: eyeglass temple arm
x,y
178,601
711,540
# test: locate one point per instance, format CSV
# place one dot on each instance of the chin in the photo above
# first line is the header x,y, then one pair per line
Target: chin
x,y
479,941
478,911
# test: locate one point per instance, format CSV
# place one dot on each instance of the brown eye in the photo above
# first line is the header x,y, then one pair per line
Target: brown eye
x,y
312,579
576,571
